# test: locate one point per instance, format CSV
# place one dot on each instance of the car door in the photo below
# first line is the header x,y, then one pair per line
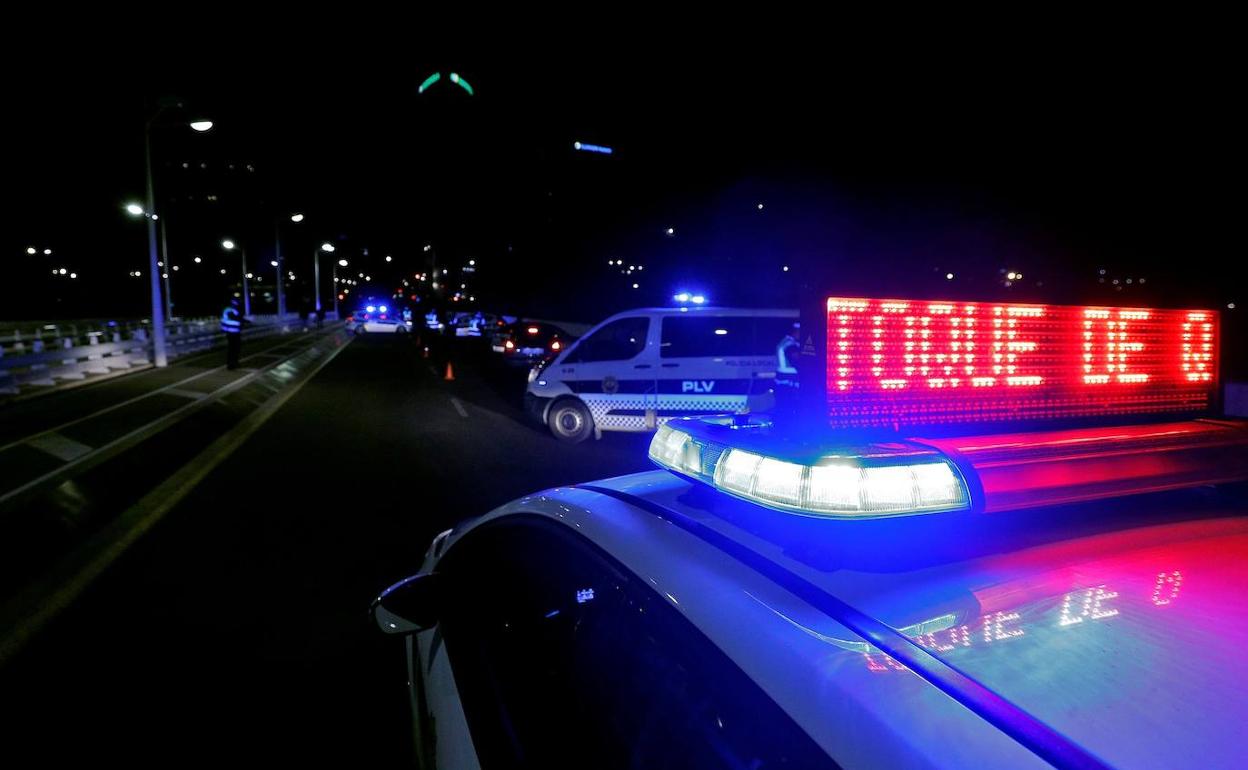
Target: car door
x,y
613,371
714,363
564,658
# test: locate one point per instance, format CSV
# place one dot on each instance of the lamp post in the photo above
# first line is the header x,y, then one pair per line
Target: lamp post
x,y
281,280
159,355
338,264
316,270
229,245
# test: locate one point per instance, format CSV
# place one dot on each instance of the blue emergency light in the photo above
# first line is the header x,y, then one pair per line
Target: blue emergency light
x,y
745,458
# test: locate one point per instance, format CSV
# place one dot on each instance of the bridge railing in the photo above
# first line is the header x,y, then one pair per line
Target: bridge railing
x,y
52,353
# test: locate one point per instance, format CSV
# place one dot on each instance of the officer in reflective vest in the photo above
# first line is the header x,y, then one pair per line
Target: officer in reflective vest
x,y
786,382
232,325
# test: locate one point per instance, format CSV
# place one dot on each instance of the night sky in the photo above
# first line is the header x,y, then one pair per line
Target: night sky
x,y
884,161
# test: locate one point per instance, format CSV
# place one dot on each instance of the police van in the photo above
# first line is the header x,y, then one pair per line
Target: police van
x,y
1004,535
640,368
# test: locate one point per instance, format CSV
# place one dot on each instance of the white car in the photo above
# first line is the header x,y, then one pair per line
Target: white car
x,y
378,319
780,597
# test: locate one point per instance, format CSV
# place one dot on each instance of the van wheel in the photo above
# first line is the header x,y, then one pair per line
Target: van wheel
x,y
570,421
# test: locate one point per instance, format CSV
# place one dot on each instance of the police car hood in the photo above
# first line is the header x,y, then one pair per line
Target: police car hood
x,y
1130,642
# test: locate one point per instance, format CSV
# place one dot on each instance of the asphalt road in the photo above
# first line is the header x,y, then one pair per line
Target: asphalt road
x,y
236,630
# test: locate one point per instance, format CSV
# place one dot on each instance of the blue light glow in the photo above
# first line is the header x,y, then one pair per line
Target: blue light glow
x,y
383,308
698,299
681,297
371,308
583,147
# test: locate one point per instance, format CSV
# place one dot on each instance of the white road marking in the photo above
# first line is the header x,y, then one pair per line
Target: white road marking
x,y
459,407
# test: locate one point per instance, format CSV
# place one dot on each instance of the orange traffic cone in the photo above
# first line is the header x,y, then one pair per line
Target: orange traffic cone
x,y
450,373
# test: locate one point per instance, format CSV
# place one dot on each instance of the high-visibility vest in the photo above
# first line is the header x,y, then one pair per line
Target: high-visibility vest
x,y
786,369
230,322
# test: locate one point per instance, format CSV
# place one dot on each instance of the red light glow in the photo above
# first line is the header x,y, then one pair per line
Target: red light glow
x,y
900,362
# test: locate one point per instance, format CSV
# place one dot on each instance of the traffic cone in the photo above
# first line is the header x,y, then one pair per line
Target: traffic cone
x,y
450,373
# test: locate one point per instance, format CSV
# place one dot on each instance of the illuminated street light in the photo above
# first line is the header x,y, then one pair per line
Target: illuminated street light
x,y
387,259
198,260
47,252
229,245
159,309
134,209
949,276
671,231
343,263
31,250
296,217
273,262
73,275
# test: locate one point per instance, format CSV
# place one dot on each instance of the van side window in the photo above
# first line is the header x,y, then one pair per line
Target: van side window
x,y
709,336
619,340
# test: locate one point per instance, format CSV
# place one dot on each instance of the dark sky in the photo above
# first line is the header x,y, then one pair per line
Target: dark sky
x,y
883,159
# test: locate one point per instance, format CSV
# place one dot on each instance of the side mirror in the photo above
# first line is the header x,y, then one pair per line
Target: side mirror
x,y
410,605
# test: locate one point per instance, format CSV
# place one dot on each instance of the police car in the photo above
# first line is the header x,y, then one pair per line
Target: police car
x,y
379,318
999,548
640,368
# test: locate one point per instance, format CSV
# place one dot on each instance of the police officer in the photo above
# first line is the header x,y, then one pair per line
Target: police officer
x,y
786,380
232,325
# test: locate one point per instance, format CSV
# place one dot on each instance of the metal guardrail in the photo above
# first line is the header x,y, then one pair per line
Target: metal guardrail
x,y
58,358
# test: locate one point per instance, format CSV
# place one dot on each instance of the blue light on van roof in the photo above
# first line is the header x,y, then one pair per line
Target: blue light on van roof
x,y
866,481
371,308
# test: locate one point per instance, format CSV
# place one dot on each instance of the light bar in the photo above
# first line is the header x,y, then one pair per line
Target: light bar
x,y
894,363
873,481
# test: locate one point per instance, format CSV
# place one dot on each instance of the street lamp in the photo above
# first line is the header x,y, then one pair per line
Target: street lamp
x,y
296,218
316,272
338,264
158,312
229,245
136,210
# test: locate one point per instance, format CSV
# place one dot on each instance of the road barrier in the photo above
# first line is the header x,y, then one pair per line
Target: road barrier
x,y
56,353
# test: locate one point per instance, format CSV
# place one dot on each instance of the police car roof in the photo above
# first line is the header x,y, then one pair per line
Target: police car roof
x,y
1106,631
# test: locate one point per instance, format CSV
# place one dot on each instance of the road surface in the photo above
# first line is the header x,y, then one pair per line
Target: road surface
x,y
236,630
